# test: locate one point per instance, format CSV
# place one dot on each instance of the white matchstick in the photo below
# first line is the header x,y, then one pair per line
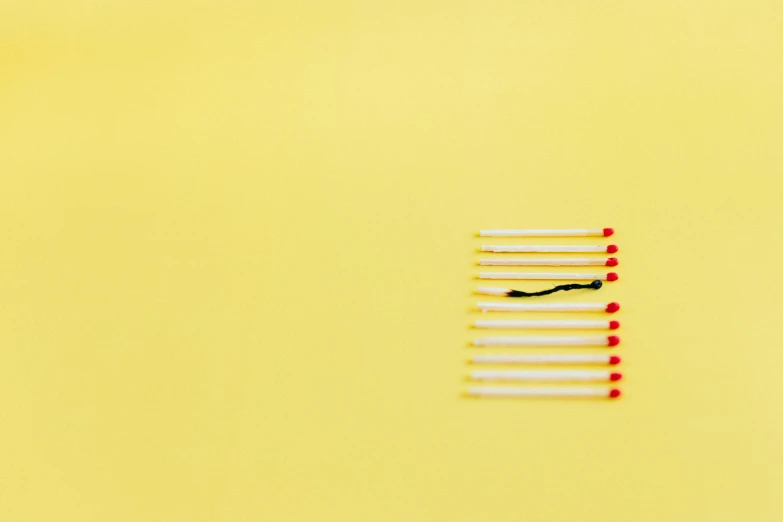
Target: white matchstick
x,y
573,261
545,375
546,307
550,248
576,340
563,232
611,276
546,358
544,391
553,324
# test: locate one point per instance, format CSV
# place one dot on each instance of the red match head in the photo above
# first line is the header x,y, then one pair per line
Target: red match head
x,y
612,340
615,376
614,393
612,249
614,359
612,307
614,325
608,232
612,261
612,276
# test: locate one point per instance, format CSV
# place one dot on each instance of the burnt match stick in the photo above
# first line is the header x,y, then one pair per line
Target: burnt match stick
x,y
574,261
545,375
563,232
547,358
611,276
549,248
543,392
553,324
508,292
587,340
548,307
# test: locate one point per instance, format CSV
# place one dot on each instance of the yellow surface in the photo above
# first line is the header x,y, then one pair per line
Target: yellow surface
x,y
237,251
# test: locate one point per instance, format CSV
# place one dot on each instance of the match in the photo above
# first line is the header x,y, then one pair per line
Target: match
x,y
545,375
544,392
509,292
548,307
546,358
554,324
587,340
574,261
611,276
611,249
544,232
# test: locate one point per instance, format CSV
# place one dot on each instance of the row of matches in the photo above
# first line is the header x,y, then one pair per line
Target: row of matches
x,y
546,375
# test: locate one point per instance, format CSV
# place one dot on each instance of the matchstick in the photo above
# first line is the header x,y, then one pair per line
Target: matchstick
x,y
577,340
611,276
554,324
573,261
550,248
548,307
509,292
563,232
546,358
545,375
544,392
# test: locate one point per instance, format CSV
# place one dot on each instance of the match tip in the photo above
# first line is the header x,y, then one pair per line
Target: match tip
x,y
614,325
614,393
612,307
608,232
612,261
613,340
612,249
596,284
615,376
614,359
612,276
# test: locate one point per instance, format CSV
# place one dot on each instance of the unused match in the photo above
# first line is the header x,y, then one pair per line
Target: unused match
x,y
547,307
611,276
553,324
546,358
545,232
573,261
544,392
577,340
545,375
611,249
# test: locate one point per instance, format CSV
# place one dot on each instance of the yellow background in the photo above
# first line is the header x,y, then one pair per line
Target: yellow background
x,y
237,249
